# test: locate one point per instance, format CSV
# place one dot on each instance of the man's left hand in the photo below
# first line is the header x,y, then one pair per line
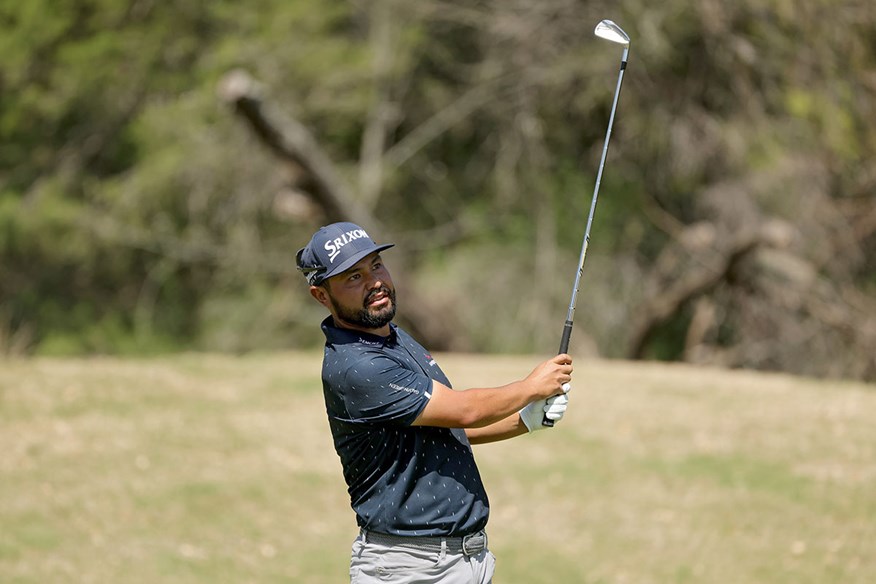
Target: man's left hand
x,y
554,408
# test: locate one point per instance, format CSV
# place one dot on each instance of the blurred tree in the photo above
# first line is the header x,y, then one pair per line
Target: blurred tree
x,y
736,220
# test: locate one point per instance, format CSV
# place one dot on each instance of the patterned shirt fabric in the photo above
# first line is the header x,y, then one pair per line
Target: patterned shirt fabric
x,y
402,479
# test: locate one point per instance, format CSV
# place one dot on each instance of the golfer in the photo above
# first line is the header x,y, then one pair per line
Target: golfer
x,y
403,435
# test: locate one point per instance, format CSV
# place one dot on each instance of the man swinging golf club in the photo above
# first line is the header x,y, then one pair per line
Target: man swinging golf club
x,y
402,434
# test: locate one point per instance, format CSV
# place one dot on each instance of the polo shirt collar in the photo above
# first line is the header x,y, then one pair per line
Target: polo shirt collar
x,y
340,336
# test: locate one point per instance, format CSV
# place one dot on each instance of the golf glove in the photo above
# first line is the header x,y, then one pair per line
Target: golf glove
x,y
553,407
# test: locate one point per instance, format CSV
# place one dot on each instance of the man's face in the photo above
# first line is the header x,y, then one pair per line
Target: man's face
x,y
362,297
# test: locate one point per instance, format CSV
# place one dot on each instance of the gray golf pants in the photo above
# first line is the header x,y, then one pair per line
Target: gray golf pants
x,y
381,558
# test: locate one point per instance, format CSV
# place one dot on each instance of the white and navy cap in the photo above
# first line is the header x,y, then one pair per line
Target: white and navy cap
x,y
334,249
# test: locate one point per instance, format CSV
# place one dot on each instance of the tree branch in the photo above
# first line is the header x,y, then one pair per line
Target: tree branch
x,y
291,142
670,301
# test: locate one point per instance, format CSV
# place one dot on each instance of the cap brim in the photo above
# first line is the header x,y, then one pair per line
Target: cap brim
x,y
353,260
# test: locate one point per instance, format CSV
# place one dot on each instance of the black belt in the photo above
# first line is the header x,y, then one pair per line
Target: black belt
x,y
469,545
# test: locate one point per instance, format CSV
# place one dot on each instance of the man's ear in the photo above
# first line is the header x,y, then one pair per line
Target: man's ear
x,y
320,295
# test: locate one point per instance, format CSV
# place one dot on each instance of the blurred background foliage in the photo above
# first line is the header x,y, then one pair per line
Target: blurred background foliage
x,y
736,219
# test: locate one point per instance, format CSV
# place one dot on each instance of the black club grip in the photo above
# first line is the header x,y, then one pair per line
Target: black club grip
x,y
564,348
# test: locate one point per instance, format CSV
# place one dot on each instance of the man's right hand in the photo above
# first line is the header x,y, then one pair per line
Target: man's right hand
x,y
547,379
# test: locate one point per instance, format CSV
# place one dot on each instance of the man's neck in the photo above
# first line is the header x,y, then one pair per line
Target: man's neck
x,y
383,331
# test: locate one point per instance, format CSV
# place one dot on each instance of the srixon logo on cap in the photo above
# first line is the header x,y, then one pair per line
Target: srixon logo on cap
x,y
334,246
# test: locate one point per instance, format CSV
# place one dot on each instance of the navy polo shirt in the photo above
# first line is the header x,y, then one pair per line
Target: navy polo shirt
x,y
402,479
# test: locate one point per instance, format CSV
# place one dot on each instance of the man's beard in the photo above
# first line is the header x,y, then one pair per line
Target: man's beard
x,y
364,317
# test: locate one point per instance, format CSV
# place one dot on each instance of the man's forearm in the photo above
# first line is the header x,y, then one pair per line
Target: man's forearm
x,y
474,408
483,407
508,427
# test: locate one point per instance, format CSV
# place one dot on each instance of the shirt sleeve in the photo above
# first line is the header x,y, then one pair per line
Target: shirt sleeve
x,y
382,391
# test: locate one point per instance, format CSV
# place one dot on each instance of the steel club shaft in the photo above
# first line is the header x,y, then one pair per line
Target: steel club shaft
x,y
610,31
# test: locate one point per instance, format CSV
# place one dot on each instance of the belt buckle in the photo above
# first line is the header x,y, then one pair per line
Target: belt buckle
x,y
474,543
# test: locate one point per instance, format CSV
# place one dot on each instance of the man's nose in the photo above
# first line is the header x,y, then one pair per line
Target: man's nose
x,y
373,282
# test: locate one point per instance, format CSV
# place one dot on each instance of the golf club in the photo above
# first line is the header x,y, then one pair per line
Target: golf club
x,y
609,31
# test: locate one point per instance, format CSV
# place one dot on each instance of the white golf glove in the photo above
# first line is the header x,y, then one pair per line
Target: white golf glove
x,y
553,407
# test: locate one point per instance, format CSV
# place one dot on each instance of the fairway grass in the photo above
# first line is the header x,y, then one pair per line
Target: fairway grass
x,y
204,468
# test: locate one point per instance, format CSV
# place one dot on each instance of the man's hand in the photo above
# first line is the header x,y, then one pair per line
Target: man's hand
x,y
553,407
547,378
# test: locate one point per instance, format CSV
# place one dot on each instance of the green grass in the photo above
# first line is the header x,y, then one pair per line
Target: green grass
x,y
205,468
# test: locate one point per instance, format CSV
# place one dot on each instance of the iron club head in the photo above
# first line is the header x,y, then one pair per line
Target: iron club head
x,y
609,31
